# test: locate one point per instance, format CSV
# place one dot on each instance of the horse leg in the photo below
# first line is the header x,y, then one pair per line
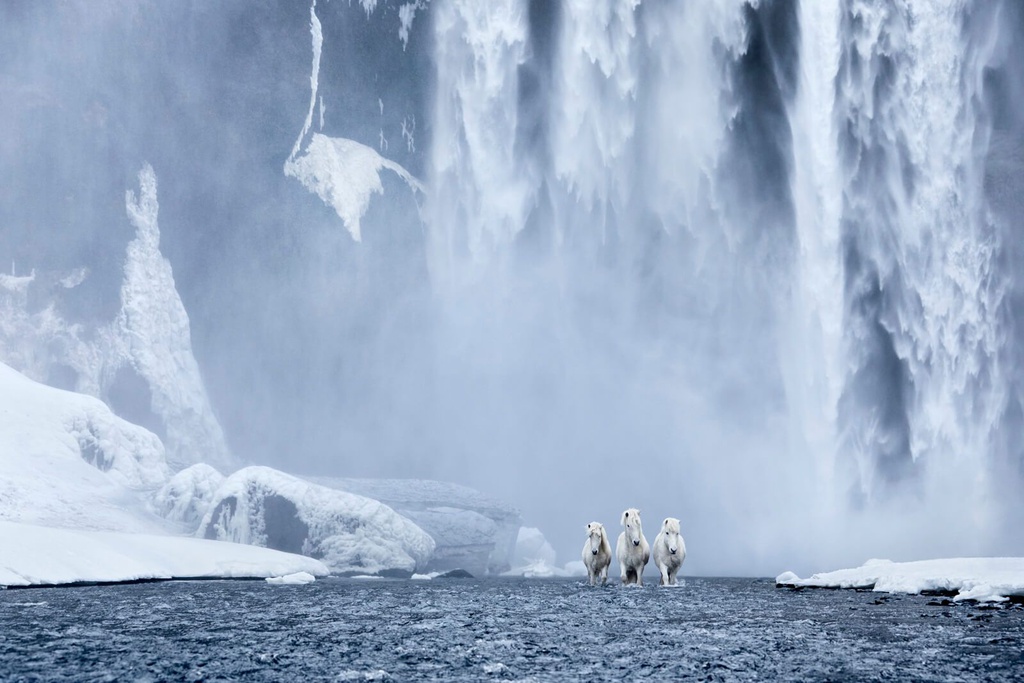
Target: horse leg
x,y
666,575
624,572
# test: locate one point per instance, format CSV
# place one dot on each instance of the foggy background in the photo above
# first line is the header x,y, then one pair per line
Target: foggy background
x,y
601,300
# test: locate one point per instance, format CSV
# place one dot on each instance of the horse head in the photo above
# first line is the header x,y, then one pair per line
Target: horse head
x,y
670,529
595,534
631,522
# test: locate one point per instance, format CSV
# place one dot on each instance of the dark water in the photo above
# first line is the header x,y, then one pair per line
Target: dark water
x,y
543,630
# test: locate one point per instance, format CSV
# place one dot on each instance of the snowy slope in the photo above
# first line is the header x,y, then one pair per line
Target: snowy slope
x,y
351,533
67,460
973,578
33,555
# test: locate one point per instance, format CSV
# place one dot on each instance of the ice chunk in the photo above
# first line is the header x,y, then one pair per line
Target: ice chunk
x,y
296,579
351,533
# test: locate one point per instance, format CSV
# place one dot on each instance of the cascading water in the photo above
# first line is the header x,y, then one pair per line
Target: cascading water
x,y
785,263
749,263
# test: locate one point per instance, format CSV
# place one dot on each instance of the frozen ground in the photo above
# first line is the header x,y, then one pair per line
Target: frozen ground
x,y
500,629
985,579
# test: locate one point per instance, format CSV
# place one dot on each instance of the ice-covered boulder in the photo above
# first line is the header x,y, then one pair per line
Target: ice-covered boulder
x,y
66,460
350,533
472,531
186,497
531,547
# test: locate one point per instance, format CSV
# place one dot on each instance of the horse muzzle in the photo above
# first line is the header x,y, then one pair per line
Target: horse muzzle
x,y
636,542
672,550
593,552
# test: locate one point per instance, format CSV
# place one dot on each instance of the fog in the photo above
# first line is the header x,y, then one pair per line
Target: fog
x,y
755,266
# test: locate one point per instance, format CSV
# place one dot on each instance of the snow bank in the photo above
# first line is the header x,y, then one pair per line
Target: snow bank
x,y
975,578
33,555
297,579
66,460
472,531
351,533
186,498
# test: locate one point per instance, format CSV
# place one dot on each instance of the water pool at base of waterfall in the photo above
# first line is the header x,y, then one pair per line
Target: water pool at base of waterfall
x,y
499,629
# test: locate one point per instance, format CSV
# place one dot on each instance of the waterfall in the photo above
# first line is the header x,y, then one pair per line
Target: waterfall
x,y
774,215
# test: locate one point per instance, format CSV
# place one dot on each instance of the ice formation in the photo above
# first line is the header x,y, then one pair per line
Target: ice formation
x,y
186,497
350,533
472,531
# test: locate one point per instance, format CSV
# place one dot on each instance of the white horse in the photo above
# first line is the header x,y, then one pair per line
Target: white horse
x,y
669,551
597,553
632,550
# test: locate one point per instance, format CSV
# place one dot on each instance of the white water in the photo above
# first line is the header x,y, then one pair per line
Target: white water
x,y
661,290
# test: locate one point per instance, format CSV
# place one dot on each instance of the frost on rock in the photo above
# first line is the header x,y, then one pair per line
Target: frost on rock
x,y
186,497
350,533
471,530
66,460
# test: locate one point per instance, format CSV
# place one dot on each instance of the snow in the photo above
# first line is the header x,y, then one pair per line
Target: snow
x,y
991,579
186,497
66,460
471,531
345,174
32,555
296,579
351,533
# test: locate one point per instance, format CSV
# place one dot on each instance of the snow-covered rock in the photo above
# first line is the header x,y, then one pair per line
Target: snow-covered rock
x,y
531,546
472,531
985,579
66,460
350,533
32,555
186,497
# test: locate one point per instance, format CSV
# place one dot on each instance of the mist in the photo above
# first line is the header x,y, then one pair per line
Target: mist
x,y
751,265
